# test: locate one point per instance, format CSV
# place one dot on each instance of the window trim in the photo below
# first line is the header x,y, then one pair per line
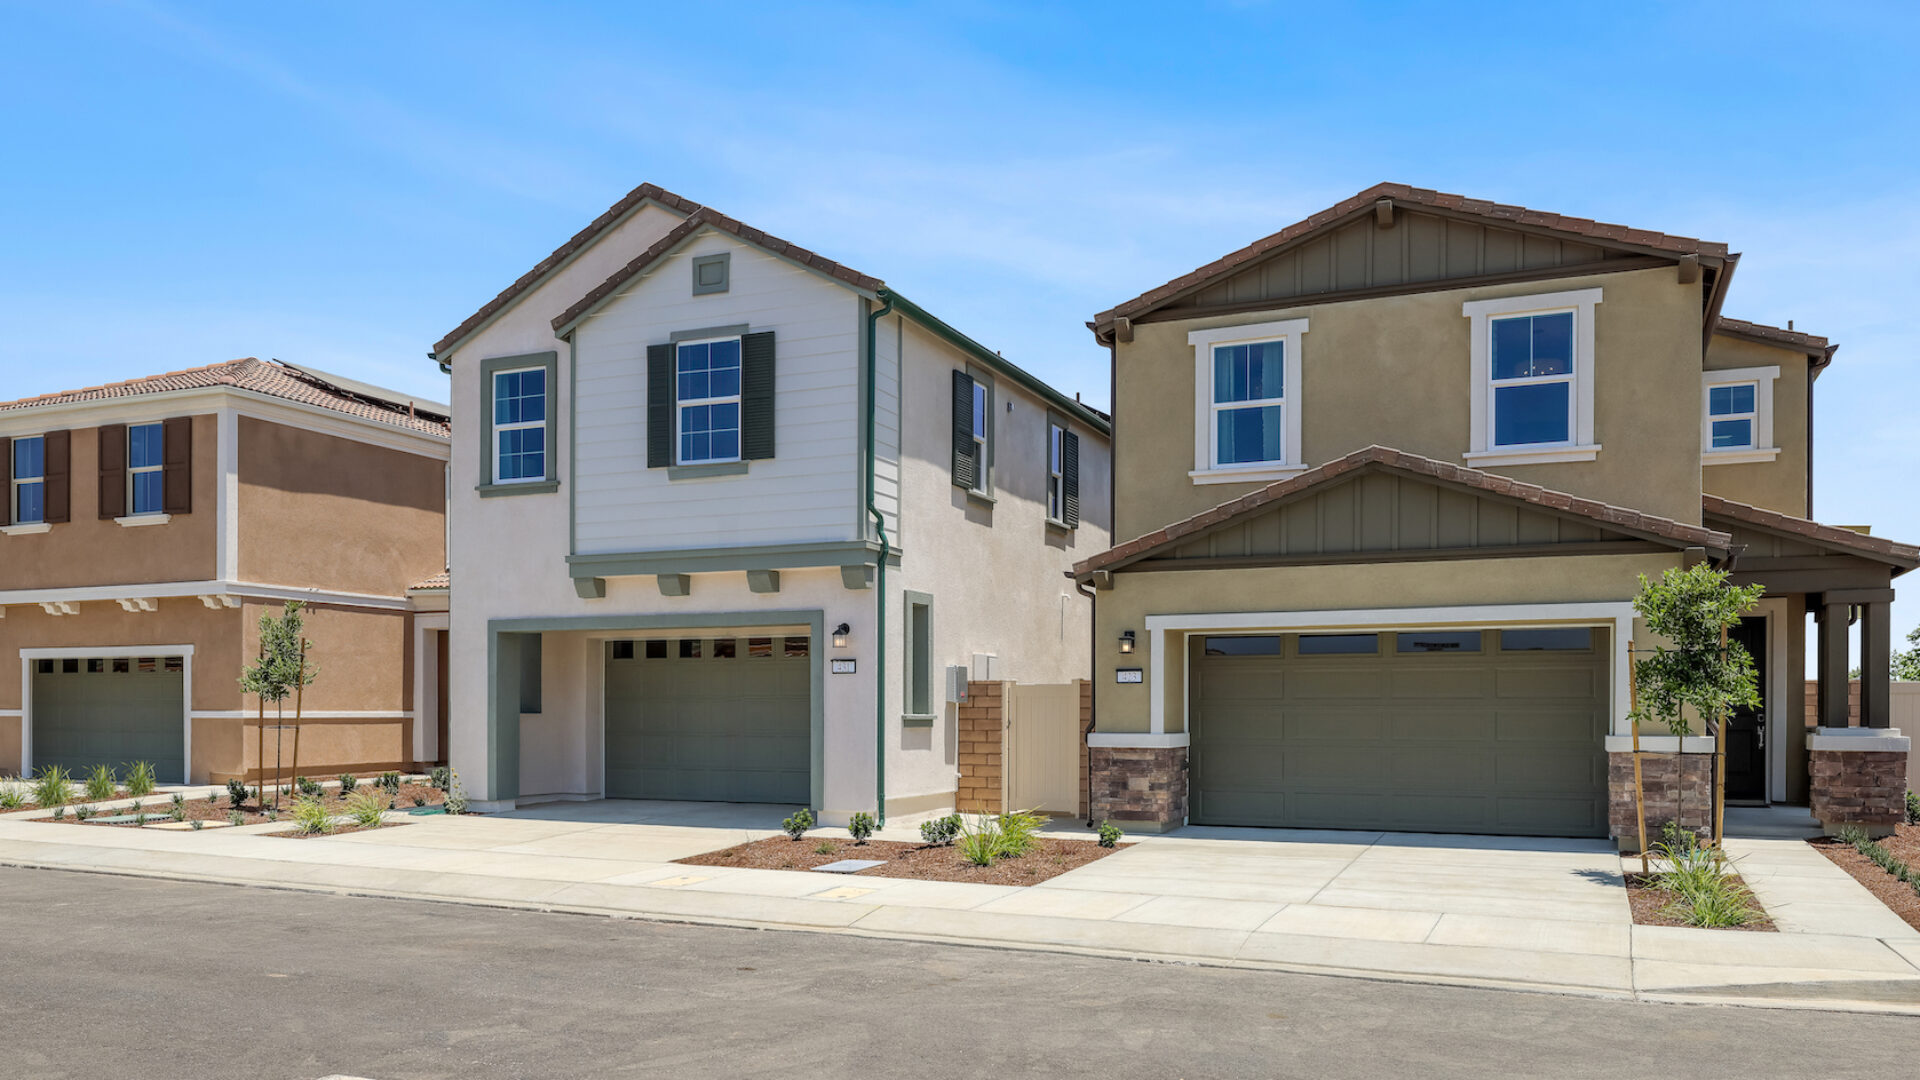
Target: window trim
x,y
735,399
134,514
490,487
983,441
499,428
909,600
1763,448
1580,445
1056,471
15,482
1205,470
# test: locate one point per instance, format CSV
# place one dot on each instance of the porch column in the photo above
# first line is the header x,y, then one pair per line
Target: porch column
x,y
1831,667
1876,665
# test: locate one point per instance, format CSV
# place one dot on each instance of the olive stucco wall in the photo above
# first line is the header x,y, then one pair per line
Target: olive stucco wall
x,y
1397,371
1780,484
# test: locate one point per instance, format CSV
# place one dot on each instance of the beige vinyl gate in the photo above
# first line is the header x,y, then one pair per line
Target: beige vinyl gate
x,y
1042,747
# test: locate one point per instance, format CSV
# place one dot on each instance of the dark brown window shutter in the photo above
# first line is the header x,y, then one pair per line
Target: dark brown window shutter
x,y
756,395
965,468
6,462
177,483
113,471
1070,479
660,400
59,473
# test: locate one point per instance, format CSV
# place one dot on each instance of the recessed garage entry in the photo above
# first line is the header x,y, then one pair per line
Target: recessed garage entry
x,y
706,719
110,711
1474,731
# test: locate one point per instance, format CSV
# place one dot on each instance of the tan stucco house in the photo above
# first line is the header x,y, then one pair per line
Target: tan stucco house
x,y
148,525
1386,480
735,522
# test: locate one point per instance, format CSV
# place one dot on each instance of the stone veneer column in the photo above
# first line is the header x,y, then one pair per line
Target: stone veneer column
x,y
982,723
1857,776
1139,788
1677,788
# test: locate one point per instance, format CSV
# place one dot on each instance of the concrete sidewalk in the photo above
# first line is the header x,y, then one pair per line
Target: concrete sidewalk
x,y
1518,913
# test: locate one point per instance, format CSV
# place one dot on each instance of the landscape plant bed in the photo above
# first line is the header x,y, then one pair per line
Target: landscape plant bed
x,y
338,830
1653,906
159,809
1049,859
1900,897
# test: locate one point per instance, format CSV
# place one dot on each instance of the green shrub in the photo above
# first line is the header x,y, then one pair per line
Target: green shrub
x,y
861,825
235,817
824,847
347,784
139,820
177,812
440,778
797,824
1913,807
312,816
1110,834
213,798
140,779
419,800
1019,832
11,798
237,793
940,831
365,810
53,787
390,781
272,813
979,840
100,783
80,813
1705,893
198,824
310,788
456,796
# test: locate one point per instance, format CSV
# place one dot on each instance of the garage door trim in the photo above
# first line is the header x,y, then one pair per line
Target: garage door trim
x,y
184,652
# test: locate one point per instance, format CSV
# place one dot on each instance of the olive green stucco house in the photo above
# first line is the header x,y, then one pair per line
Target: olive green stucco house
x,y
1385,483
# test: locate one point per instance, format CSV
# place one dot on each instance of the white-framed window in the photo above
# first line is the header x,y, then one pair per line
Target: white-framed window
x,y
1533,367
1736,423
1056,473
29,472
1247,402
146,465
982,410
707,400
520,425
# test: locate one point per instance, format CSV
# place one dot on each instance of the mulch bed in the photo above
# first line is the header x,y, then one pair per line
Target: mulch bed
x,y
1650,907
158,808
338,830
1050,859
1899,896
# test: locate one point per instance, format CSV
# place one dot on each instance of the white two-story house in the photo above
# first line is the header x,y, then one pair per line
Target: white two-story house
x,y
734,522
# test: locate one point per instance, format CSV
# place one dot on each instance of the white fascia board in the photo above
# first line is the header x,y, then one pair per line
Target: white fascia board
x,y
1508,616
167,590
68,651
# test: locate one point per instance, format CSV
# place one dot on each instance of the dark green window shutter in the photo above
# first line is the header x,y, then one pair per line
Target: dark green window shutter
x,y
965,468
1070,479
660,402
756,395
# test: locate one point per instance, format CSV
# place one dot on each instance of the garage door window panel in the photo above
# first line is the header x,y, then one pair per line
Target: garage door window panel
x,y
1338,644
1437,641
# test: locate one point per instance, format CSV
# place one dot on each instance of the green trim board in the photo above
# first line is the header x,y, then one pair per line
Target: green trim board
x,y
910,649
539,487
723,559
504,637
550,360
703,472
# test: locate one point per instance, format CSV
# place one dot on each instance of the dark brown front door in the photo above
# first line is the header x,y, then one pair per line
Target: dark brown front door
x,y
1747,728
440,696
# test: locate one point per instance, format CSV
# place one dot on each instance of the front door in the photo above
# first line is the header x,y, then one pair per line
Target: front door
x,y
1747,728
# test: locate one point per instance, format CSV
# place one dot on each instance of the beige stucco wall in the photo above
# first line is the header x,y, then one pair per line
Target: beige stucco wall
x,y
1454,583
1780,484
1397,371
299,488
90,551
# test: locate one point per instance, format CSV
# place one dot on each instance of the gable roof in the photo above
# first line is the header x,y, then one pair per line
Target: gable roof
x,y
1614,518
1644,240
580,241
268,378
707,218
1846,541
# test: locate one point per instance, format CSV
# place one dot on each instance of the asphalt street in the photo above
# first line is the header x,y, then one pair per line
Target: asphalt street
x,y
137,979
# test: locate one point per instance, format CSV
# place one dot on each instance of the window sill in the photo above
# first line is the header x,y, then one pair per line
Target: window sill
x,y
1265,474
530,487
706,469
27,529
1060,526
134,520
1738,457
916,720
982,497
1531,456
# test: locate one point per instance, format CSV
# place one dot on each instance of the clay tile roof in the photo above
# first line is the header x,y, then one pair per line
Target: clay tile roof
x,y
1812,343
1618,518
564,252
439,582
261,377
708,218
1906,555
1413,196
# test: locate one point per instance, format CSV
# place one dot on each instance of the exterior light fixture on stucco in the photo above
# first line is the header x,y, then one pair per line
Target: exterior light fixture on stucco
x,y
1126,641
840,635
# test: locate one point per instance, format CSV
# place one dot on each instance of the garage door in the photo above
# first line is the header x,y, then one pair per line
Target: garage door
x,y
110,711
726,720
1496,731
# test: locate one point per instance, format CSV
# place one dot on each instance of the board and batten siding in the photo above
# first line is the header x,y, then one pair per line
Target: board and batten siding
x,y
810,489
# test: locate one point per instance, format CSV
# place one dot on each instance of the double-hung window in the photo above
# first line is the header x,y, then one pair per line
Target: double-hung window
x,y
1737,421
146,465
29,491
1731,412
1247,401
1533,371
520,425
980,396
707,401
1056,474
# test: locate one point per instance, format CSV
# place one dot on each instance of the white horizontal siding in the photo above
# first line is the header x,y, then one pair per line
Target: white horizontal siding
x,y
807,492
886,425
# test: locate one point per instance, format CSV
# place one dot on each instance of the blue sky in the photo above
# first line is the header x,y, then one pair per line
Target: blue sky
x,y
341,183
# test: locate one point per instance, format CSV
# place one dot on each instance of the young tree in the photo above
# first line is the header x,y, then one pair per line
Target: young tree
x,y
1906,662
1699,669
281,671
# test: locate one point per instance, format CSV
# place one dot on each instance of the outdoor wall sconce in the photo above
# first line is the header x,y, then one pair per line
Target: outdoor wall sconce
x,y
840,635
1126,642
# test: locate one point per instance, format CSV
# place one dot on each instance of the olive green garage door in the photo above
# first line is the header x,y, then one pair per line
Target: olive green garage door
x,y
1497,731
726,720
110,711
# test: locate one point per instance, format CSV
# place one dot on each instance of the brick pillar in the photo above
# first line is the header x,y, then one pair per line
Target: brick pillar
x,y
1677,788
1139,788
982,723
1086,768
1857,776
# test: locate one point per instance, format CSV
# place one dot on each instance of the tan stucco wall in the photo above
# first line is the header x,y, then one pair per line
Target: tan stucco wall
x,y
89,551
299,488
1780,484
214,635
1545,580
363,657
1397,371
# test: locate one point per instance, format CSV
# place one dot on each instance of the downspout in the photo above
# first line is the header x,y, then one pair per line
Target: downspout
x,y
880,577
